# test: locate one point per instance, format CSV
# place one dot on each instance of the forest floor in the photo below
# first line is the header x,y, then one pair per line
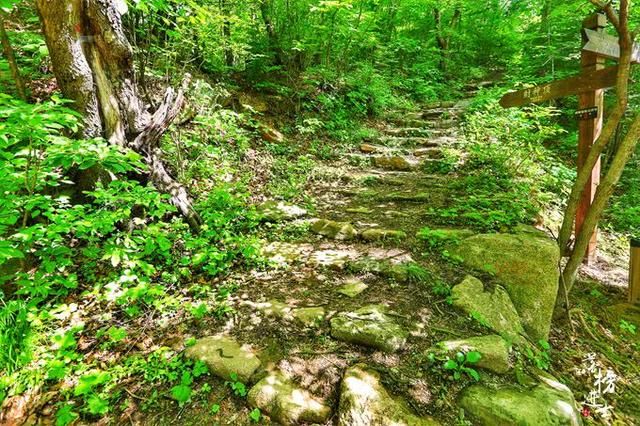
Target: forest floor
x,y
284,312
355,254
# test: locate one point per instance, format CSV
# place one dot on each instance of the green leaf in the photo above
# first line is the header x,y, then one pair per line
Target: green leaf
x,y
473,373
473,357
181,393
117,334
97,405
255,415
88,382
450,365
65,415
215,408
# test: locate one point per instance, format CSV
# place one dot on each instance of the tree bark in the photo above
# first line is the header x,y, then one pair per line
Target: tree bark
x,y
11,58
93,63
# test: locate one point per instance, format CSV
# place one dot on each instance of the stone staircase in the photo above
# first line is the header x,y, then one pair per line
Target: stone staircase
x,y
348,306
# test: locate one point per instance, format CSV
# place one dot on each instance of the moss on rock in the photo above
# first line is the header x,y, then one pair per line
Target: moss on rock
x,y
527,265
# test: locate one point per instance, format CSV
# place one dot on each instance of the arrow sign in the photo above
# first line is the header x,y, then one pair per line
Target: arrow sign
x,y
607,46
581,83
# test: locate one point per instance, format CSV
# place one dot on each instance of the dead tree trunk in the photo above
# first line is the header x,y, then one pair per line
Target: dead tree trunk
x,y
93,63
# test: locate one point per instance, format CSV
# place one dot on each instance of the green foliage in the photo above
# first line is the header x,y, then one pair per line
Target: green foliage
x,y
540,356
237,387
459,366
628,327
14,335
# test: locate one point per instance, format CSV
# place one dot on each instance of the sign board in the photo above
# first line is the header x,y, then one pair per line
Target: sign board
x,y
607,46
585,82
586,113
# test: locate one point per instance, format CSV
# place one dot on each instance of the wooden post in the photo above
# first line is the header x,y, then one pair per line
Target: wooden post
x,y
589,130
634,272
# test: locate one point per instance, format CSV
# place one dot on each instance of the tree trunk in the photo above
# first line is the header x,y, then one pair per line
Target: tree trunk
x,y
11,58
272,35
93,63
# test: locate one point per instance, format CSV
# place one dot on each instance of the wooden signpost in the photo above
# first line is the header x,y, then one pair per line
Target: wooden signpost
x,y
588,85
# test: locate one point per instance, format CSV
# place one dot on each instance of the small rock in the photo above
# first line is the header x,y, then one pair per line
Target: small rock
x,y
286,403
364,402
352,288
428,152
494,309
277,211
383,234
396,163
369,326
270,134
494,350
369,149
397,272
550,403
309,317
275,308
224,356
334,230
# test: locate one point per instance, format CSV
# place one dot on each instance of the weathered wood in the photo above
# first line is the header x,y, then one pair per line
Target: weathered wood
x,y
607,46
634,272
588,132
587,81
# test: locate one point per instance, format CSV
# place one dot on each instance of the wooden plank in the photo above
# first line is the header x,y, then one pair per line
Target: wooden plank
x,y
587,81
607,46
634,272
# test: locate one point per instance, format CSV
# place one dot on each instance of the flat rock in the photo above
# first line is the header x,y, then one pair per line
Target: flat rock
x,y
370,149
398,272
494,350
334,230
495,309
397,162
309,317
277,211
224,356
527,265
383,234
428,152
369,326
549,403
364,401
352,288
284,402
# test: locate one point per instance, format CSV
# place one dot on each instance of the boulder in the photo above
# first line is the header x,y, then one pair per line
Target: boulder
x,y
527,265
364,401
549,403
495,310
334,230
369,326
396,162
494,350
352,288
277,211
224,356
383,234
284,402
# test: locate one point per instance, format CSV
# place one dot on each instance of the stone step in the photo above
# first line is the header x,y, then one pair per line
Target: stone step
x,y
440,104
407,131
440,112
406,141
396,162
428,152
443,124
